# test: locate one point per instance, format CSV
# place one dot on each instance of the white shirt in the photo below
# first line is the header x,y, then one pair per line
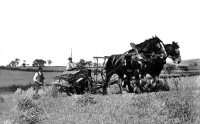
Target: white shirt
x,y
35,76
70,65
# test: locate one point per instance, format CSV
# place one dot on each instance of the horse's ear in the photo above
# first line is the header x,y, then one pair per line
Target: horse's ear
x,y
133,45
155,36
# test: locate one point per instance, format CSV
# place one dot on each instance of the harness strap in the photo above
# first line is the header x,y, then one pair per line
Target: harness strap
x,y
164,50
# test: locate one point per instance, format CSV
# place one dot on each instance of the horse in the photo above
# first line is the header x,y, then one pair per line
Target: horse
x,y
173,52
155,66
116,65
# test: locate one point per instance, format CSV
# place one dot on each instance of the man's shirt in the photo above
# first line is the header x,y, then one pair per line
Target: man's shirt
x,y
38,74
70,66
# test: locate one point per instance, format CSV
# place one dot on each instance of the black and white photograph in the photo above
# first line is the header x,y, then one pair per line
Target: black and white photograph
x,y
99,62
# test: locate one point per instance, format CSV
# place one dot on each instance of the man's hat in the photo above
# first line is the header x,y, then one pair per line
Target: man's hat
x,y
70,58
40,68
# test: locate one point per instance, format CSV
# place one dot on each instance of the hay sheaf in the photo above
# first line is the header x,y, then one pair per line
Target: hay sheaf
x,y
2,99
86,100
29,112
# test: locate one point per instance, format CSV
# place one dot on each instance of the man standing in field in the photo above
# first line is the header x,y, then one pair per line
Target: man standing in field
x,y
38,79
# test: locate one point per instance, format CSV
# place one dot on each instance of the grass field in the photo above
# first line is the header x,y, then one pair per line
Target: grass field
x,y
173,107
9,77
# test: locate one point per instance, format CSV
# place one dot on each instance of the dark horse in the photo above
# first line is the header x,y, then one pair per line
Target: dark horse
x,y
132,67
157,61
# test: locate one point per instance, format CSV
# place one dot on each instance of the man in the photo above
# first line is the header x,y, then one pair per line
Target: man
x,y
70,65
38,79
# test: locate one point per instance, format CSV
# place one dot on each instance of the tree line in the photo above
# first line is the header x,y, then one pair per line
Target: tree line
x,y
169,68
41,63
36,63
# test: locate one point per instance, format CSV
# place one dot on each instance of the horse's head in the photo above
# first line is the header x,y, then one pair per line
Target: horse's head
x,y
174,52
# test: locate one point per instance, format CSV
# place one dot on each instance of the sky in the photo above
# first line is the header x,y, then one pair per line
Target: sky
x,y
49,29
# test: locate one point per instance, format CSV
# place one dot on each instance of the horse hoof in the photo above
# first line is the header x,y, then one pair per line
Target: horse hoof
x,y
104,93
69,94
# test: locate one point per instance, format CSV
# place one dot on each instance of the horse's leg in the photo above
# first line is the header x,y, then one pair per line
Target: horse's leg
x,y
105,84
127,82
129,85
155,80
138,86
145,83
124,84
119,82
154,83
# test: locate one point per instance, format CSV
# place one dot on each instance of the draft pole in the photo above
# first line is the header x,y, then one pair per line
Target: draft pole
x,y
97,67
71,52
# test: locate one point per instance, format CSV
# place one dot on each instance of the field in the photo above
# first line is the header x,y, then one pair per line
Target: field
x,y
174,107
9,77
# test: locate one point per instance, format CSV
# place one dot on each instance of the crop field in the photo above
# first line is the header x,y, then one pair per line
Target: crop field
x,y
177,106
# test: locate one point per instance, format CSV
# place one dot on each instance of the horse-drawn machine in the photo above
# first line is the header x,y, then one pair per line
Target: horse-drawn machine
x,y
130,70
82,80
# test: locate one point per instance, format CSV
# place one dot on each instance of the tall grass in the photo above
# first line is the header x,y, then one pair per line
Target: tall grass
x,y
161,107
28,112
176,106
184,83
180,106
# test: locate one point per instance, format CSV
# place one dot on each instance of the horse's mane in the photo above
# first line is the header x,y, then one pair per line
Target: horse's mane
x,y
142,44
147,43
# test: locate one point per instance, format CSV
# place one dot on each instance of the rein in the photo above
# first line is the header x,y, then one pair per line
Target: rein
x,y
114,69
121,63
142,57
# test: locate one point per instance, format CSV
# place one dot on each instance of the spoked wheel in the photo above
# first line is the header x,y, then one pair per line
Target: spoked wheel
x,y
98,80
90,85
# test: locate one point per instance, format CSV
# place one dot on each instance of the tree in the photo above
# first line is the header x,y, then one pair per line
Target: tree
x,y
95,64
195,64
183,68
12,64
17,62
49,62
38,62
89,63
24,63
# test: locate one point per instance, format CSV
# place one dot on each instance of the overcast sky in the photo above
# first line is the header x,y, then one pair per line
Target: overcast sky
x,y
48,29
